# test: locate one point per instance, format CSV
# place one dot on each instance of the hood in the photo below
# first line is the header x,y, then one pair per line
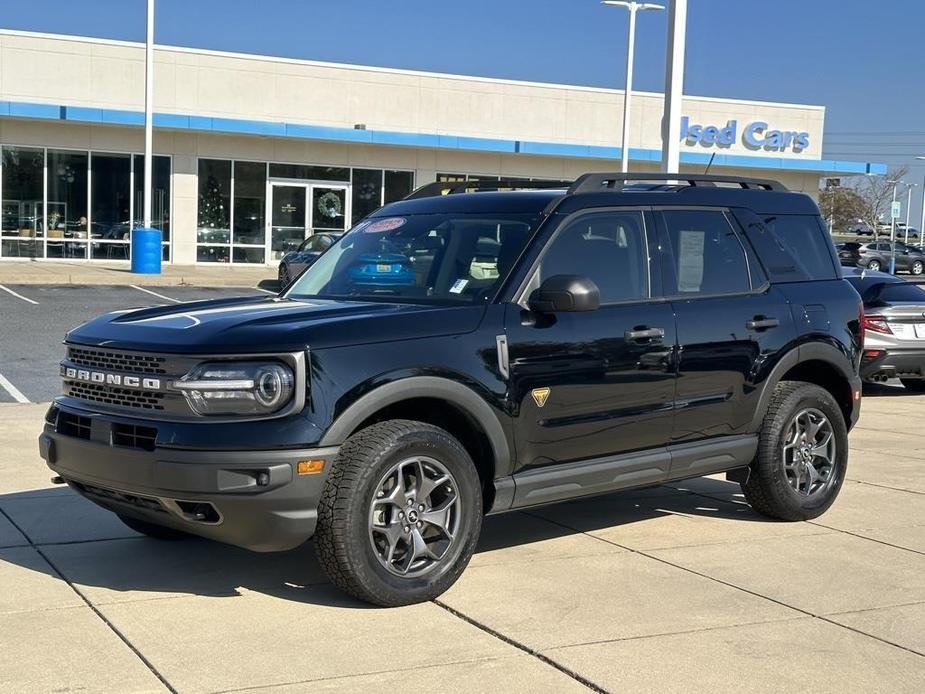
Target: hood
x,y
253,325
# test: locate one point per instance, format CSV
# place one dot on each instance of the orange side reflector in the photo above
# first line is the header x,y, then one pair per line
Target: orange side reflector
x,y
310,467
857,395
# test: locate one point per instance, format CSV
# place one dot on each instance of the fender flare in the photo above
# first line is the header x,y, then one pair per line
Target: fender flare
x,y
423,387
813,351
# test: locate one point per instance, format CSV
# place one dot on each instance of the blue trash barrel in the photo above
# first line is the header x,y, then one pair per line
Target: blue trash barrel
x,y
146,251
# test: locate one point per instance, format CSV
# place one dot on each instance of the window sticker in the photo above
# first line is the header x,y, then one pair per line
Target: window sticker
x,y
458,286
388,224
690,260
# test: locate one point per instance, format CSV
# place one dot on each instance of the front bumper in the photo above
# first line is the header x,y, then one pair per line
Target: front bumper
x,y
892,363
253,499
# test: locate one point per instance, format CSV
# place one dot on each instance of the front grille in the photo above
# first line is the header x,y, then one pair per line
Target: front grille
x,y
102,494
110,395
134,436
73,425
116,361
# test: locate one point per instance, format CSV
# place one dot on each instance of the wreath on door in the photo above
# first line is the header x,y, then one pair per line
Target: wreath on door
x,y
330,206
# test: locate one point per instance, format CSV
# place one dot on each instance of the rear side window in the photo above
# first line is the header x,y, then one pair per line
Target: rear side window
x,y
807,242
707,256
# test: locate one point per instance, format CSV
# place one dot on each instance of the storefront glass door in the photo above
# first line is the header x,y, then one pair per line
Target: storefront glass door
x,y
299,210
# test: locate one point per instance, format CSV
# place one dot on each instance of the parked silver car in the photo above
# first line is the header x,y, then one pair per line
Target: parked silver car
x,y
894,327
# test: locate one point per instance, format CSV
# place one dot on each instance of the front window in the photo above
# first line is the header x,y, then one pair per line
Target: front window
x,y
432,258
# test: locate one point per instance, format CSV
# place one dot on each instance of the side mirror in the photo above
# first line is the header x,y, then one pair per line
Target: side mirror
x,y
565,293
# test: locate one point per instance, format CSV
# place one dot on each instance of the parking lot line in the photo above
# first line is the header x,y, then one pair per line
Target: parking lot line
x,y
159,296
12,390
18,296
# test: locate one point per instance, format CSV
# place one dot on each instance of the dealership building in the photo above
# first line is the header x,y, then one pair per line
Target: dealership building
x,y
254,153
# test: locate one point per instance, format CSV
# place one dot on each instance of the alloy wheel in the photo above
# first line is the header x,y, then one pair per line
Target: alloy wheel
x,y
414,516
917,267
874,265
809,453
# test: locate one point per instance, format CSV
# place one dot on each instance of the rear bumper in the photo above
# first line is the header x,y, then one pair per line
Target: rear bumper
x,y
253,499
893,363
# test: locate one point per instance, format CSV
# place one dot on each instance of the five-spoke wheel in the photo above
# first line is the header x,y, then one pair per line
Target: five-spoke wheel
x,y
809,453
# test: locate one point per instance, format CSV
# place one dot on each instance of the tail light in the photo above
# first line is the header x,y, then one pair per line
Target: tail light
x,y
875,324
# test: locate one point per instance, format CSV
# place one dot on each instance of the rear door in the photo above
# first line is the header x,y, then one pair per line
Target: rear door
x,y
731,323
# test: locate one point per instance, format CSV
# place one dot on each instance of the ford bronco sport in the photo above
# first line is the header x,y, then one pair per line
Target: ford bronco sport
x,y
473,349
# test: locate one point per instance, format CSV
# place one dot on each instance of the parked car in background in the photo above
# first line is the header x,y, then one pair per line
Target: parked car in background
x,y
894,328
861,229
876,256
292,264
849,254
901,232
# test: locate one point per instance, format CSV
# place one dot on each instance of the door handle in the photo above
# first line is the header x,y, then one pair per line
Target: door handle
x,y
644,334
761,323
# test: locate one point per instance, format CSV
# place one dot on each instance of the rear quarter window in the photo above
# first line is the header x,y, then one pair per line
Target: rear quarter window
x,y
805,239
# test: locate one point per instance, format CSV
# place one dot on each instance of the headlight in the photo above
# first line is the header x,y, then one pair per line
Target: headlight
x,y
238,388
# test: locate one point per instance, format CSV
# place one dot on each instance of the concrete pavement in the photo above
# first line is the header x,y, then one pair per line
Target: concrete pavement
x,y
50,272
677,588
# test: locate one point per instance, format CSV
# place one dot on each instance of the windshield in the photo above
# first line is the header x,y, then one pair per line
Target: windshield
x,y
428,258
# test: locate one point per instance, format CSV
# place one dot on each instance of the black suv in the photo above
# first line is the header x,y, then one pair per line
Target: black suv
x,y
475,349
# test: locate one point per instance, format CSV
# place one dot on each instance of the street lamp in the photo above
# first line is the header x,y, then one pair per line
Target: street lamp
x,y
633,8
922,225
909,209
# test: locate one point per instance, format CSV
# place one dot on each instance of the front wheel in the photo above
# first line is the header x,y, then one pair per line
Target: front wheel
x,y
400,513
874,266
802,454
917,267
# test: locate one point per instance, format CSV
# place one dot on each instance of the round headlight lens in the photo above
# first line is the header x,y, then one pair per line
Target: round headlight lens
x,y
272,386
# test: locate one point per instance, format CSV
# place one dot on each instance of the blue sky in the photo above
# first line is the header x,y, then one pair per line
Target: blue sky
x,y
862,60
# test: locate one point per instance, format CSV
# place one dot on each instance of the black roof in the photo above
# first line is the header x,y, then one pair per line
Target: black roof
x,y
761,201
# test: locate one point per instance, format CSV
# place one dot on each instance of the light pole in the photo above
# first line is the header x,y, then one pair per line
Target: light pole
x,y
149,108
893,232
922,225
909,209
633,8
674,86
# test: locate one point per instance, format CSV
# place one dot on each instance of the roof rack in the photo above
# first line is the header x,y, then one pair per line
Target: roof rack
x,y
615,182
452,187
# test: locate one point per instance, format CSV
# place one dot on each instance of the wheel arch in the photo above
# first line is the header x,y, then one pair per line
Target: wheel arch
x,y
439,401
817,363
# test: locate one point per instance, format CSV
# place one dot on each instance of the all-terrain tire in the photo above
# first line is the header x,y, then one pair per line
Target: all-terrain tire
x,y
767,488
153,530
342,539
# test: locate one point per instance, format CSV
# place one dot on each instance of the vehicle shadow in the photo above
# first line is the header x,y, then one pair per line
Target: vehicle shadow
x,y
107,562
881,390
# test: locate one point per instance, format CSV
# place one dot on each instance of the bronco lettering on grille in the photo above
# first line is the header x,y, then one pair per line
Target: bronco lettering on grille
x,y
110,379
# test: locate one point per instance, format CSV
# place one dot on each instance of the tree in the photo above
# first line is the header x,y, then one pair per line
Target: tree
x,y
876,194
842,207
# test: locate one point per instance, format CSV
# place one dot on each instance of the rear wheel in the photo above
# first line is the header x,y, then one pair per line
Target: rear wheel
x,y
158,532
802,454
400,513
917,267
874,265
916,385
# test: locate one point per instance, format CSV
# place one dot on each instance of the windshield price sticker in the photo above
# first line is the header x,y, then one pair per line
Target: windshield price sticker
x,y
388,224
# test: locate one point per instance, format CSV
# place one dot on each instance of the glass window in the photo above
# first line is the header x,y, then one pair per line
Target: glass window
x,y
806,241
367,192
608,248
250,204
707,256
308,172
67,204
450,177
398,184
214,202
431,258
110,206
160,194
23,192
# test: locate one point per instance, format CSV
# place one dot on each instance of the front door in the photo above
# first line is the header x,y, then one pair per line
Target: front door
x,y
298,210
594,384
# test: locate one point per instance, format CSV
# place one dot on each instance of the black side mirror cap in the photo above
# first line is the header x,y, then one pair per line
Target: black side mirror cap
x,y
565,294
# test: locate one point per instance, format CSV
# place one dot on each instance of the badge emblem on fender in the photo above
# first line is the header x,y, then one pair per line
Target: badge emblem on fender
x,y
540,396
